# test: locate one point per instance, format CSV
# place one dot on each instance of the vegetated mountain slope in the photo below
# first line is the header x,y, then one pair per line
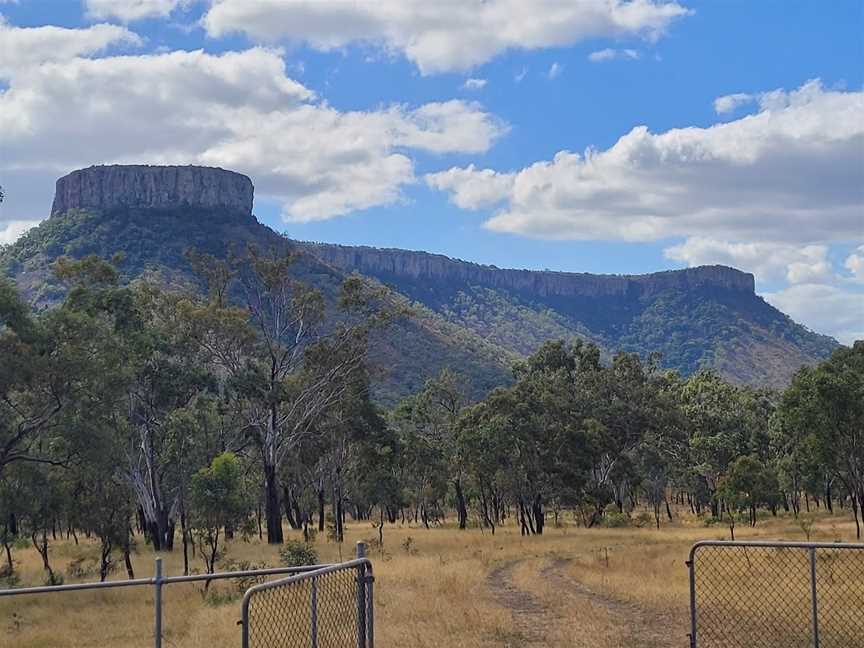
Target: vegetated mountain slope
x,y
700,317
154,240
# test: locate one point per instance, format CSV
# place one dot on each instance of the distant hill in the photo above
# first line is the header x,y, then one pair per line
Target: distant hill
x,y
475,319
708,316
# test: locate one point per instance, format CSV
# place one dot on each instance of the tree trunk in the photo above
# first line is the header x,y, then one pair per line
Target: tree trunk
x,y
539,515
104,559
320,507
461,509
293,521
272,509
127,559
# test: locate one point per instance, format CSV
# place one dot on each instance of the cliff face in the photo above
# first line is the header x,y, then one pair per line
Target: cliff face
x,y
434,267
107,187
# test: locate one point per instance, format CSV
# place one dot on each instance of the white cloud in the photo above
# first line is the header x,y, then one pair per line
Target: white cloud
x,y
609,54
21,47
520,75
472,188
728,103
130,10
474,84
791,173
767,260
11,230
449,35
555,70
855,264
238,110
825,308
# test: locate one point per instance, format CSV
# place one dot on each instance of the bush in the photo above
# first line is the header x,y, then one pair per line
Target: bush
x,y
409,546
298,554
643,520
615,520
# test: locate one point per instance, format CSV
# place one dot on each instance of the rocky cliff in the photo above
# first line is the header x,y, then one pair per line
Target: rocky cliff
x,y
386,263
100,188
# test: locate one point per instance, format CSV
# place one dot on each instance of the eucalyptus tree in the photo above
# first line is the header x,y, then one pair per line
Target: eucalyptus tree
x,y
828,402
291,359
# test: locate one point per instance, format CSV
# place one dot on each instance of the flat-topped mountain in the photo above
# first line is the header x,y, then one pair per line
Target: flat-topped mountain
x,y
143,186
708,316
436,267
475,319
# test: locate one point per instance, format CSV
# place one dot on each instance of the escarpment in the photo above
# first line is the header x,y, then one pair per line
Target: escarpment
x,y
102,188
389,263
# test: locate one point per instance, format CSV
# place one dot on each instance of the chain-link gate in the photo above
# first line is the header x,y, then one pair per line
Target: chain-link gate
x,y
776,595
326,608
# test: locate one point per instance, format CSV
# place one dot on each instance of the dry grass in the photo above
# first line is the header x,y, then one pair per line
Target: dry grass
x,y
440,594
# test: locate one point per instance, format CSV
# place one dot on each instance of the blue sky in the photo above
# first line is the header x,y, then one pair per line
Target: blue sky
x,y
464,131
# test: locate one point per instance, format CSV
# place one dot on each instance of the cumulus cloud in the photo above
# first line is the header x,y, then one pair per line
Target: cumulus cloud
x,y
451,35
237,110
474,84
767,260
22,47
729,103
472,188
130,10
609,54
555,70
789,173
855,264
825,308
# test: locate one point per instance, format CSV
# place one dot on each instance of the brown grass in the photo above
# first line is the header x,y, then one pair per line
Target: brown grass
x,y
440,594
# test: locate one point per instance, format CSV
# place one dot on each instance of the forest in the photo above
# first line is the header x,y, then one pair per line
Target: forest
x,y
162,413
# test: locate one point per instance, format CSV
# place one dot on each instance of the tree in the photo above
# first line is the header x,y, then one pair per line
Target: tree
x,y
217,502
296,366
828,400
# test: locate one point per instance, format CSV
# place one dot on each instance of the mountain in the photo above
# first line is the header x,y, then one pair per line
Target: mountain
x,y
476,319
153,215
708,316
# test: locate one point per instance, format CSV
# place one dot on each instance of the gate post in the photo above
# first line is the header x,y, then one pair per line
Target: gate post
x,y
813,597
691,566
157,603
361,597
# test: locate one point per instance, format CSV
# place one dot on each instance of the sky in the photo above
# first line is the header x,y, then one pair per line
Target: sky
x,y
608,136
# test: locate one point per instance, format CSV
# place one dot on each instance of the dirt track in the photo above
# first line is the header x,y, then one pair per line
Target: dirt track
x,y
634,627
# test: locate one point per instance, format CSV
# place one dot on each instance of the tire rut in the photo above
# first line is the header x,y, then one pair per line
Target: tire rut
x,y
641,628
530,615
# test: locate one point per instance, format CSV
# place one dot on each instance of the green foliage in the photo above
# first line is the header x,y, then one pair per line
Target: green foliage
x,y
298,554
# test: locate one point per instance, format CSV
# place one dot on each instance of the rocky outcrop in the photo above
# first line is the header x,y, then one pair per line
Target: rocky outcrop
x,y
108,187
387,263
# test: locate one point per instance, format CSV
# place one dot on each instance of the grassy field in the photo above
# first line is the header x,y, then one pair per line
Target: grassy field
x,y
597,588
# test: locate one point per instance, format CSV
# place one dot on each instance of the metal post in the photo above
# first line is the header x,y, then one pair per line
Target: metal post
x,y
691,566
361,597
314,612
157,603
370,624
813,597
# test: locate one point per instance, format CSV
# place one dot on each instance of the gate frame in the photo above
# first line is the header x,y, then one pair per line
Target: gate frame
x,y
365,605
762,544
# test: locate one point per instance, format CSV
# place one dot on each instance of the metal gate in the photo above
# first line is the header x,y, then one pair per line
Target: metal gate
x,y
776,595
330,607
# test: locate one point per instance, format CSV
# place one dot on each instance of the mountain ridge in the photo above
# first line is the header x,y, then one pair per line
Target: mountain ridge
x,y
475,318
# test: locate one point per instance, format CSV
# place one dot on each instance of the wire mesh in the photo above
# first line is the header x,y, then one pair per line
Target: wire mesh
x,y
326,610
763,596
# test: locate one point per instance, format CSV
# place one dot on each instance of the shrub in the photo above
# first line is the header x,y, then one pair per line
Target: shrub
x,y
298,554
644,519
616,520
408,546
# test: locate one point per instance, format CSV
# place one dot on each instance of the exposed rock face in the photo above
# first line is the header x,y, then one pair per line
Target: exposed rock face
x,y
385,263
108,187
